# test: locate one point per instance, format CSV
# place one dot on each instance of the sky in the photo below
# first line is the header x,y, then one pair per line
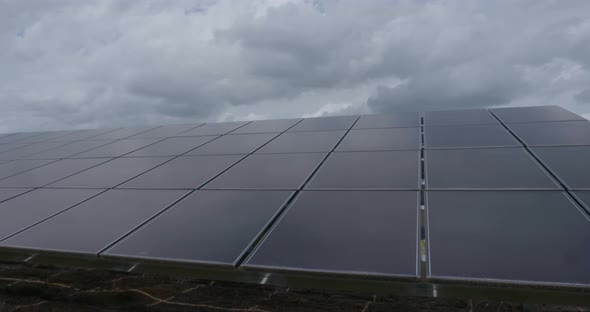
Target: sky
x,y
70,64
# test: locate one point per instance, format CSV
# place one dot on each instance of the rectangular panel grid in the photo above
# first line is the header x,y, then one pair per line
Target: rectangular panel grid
x,y
28,209
459,117
489,168
534,114
49,173
518,236
185,172
553,133
111,173
472,136
380,140
568,163
234,144
362,232
213,227
266,126
102,220
172,146
369,170
325,123
269,171
388,121
117,148
303,142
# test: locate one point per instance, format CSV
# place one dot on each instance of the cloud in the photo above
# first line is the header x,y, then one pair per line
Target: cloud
x,y
107,63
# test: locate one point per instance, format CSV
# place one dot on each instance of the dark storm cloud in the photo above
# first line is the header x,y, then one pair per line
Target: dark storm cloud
x,y
74,64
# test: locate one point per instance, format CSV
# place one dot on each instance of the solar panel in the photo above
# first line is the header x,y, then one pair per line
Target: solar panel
x,y
212,227
81,135
46,136
111,173
269,171
534,114
121,133
69,150
553,133
490,168
459,117
214,128
172,146
471,136
33,207
52,172
325,123
303,142
369,170
267,126
234,144
95,224
323,200
584,198
9,147
185,172
29,150
165,131
388,121
18,166
117,148
380,140
7,193
569,163
523,236
354,232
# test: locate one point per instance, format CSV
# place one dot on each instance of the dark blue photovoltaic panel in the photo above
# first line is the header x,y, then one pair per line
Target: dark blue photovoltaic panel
x,y
569,163
7,193
112,173
553,133
81,135
9,146
516,236
266,126
15,138
164,131
234,144
388,121
534,114
121,133
95,224
584,198
214,128
380,140
28,150
209,227
459,117
303,142
471,136
269,171
369,170
325,123
172,146
70,149
359,232
28,209
185,172
117,148
49,173
46,136
17,166
485,168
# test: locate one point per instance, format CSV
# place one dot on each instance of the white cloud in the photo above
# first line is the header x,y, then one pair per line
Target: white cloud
x,y
74,64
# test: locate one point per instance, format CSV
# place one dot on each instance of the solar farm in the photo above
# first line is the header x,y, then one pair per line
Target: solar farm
x,y
464,203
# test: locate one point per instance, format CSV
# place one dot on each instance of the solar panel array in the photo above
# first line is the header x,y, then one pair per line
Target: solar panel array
x,y
505,193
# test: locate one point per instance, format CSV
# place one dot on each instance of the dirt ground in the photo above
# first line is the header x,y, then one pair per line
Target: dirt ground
x,y
43,288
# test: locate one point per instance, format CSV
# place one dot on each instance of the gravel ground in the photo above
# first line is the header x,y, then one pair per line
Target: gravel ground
x,y
44,288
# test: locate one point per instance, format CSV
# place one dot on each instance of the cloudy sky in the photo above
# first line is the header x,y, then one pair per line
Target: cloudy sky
x,y
68,64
